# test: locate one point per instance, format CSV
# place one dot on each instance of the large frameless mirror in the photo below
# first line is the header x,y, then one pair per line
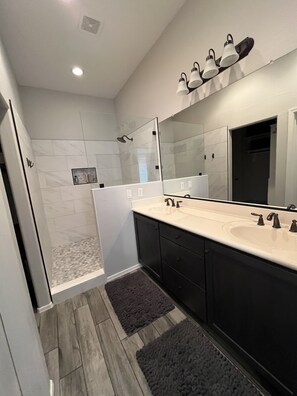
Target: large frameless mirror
x,y
238,144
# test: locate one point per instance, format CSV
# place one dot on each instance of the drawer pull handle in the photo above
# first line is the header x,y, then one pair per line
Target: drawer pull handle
x,y
178,259
179,287
206,251
177,236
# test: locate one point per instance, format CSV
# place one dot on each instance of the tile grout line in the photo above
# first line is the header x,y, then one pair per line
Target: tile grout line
x,y
72,371
121,341
82,362
110,315
103,353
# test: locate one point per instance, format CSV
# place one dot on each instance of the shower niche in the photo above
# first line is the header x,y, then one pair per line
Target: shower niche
x,y
84,175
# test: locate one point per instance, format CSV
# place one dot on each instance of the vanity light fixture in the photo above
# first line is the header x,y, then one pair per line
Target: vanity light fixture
x,y
211,68
182,88
77,71
230,55
195,78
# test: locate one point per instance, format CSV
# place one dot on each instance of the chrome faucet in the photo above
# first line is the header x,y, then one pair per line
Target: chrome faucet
x,y
274,216
171,200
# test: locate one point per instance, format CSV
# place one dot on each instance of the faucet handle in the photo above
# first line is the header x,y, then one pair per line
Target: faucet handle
x,y
260,220
293,227
178,204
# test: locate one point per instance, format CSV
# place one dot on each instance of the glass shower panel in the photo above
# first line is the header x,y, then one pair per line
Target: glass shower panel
x,y
139,157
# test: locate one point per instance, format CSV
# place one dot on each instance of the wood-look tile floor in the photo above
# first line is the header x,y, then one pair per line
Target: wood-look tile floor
x,y
87,351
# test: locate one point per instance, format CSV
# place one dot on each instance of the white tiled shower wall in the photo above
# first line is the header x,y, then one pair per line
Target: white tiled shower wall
x,y
69,208
215,145
183,158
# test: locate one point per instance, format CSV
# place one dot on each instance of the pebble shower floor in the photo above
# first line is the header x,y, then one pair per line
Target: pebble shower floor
x,y
75,260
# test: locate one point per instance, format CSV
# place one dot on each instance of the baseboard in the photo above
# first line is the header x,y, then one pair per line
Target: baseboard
x,y
80,285
45,307
52,386
122,273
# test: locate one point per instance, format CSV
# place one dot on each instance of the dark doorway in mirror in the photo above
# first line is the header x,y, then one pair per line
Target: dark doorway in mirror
x,y
253,162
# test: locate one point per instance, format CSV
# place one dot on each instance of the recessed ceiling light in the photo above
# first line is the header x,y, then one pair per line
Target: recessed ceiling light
x,y
77,71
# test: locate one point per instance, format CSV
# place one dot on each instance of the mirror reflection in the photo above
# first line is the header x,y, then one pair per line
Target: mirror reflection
x,y
236,145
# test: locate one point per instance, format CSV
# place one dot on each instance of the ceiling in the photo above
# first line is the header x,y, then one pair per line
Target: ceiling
x,y
44,41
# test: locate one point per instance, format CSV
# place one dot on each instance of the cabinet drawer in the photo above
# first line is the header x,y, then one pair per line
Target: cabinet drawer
x,y
184,261
190,295
183,238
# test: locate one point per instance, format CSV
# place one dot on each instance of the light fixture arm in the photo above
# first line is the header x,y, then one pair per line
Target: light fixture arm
x,y
186,77
194,67
230,40
211,56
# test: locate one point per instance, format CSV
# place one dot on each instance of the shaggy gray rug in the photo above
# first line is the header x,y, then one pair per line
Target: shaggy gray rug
x,y
137,301
184,362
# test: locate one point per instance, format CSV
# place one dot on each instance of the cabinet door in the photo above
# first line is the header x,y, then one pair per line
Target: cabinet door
x,y
148,243
192,296
252,303
189,264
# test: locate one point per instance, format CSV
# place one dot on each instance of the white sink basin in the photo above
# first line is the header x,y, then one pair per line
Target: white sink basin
x,y
264,237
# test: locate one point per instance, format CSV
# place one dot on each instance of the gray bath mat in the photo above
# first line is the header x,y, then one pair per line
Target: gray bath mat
x,y
183,361
137,301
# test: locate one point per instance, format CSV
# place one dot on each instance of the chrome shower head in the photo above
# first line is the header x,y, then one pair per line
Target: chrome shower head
x,y
121,139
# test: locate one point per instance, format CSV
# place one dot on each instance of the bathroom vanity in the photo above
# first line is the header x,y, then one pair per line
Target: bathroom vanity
x,y
247,300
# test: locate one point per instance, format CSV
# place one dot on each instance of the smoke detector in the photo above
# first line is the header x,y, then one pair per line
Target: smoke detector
x,y
90,25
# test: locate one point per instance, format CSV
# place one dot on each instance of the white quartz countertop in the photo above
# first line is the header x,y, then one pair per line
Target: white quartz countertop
x,y
237,231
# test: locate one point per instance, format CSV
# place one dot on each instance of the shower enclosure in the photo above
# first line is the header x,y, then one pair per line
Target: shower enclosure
x,y
51,182
67,172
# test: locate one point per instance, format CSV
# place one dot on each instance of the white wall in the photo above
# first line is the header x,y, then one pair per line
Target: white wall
x,y
15,305
8,85
200,25
71,131
69,208
116,225
17,315
58,115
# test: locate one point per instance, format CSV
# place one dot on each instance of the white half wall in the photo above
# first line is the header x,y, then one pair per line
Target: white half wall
x,y
116,225
196,186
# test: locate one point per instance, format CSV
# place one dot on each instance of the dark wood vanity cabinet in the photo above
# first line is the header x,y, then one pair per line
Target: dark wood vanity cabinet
x,y
252,303
148,244
248,302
